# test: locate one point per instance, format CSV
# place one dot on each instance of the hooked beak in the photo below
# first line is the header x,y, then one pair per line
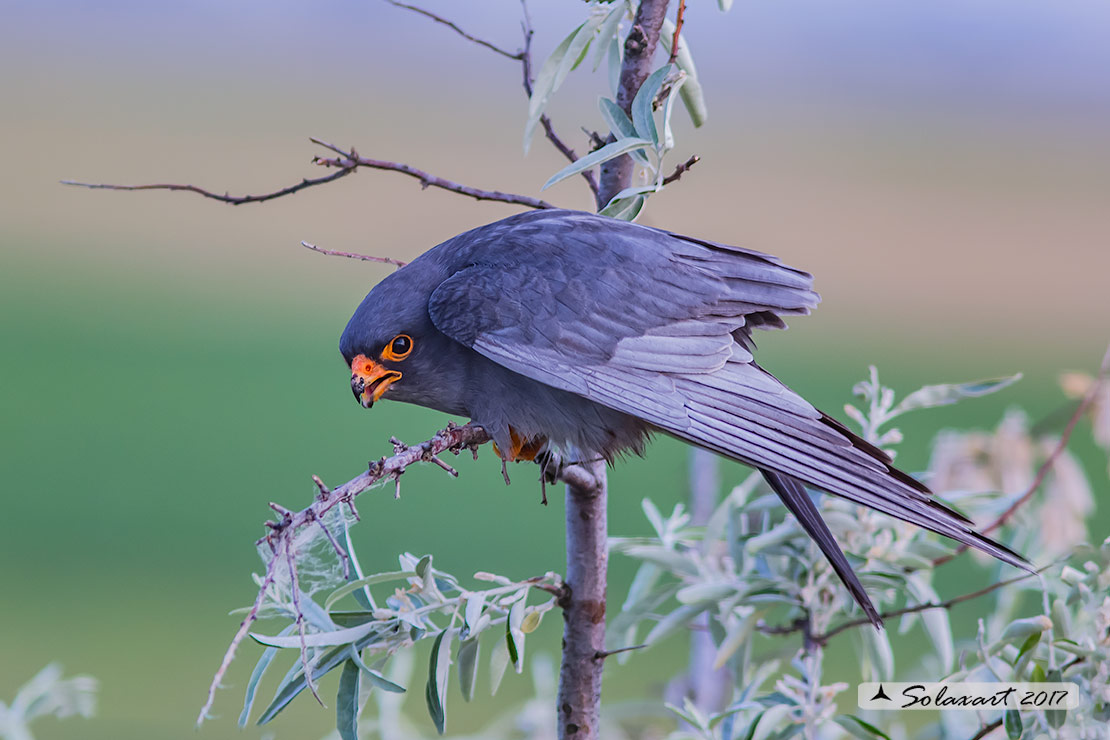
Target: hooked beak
x,y
370,380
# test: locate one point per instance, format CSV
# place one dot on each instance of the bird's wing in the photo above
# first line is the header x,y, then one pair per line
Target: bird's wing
x,y
657,326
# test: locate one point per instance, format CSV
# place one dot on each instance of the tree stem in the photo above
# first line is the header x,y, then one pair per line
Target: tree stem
x,y
579,701
578,705
639,50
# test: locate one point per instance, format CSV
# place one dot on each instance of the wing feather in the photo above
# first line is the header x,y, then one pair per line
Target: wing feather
x,y
658,326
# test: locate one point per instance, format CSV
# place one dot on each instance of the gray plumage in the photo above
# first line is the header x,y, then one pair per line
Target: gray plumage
x,y
591,333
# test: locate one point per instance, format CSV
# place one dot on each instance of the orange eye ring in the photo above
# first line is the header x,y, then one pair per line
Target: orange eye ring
x,y
398,348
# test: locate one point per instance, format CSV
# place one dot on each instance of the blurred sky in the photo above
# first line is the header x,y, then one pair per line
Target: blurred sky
x,y
169,364
938,158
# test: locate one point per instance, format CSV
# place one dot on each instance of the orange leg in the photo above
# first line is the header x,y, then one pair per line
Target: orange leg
x,y
524,449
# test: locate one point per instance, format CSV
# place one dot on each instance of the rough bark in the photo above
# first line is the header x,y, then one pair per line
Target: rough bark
x,y
639,49
579,702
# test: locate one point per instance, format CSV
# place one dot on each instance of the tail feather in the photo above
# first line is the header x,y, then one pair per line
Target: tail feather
x,y
797,500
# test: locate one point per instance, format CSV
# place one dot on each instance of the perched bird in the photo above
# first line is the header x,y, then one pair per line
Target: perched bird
x,y
566,329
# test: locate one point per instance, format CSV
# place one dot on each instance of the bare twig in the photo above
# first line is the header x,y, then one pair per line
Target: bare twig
x,y
1050,461
229,655
681,169
235,200
677,29
346,162
800,624
987,729
456,29
354,255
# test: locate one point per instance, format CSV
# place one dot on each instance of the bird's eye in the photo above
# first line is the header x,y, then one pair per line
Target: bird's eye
x,y
399,348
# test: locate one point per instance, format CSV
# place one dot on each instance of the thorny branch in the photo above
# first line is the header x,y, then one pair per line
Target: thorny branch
x,y
453,439
1050,461
279,539
351,160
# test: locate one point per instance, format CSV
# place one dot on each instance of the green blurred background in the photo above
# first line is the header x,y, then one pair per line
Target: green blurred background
x,y
169,365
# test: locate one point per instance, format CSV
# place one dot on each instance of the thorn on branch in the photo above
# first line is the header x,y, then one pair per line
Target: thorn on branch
x,y
323,491
603,654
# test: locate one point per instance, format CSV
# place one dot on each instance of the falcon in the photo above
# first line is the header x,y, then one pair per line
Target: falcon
x,y
565,330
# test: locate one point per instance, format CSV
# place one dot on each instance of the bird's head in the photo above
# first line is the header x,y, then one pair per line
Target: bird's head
x,y
392,347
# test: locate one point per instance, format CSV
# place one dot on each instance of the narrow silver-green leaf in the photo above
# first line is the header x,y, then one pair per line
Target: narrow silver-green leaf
x,y
354,586
1055,717
736,637
374,677
621,125
256,676
615,59
604,154
724,5
693,96
498,662
673,621
467,660
668,112
643,111
545,84
294,682
514,636
859,728
316,639
1011,720
949,393
475,603
935,621
434,689
625,209
346,702
608,31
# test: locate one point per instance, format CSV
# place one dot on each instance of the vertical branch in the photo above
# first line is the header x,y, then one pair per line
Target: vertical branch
x,y
639,48
578,709
706,686
578,704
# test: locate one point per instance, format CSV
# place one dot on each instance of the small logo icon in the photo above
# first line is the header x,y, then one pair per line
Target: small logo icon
x,y
880,694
